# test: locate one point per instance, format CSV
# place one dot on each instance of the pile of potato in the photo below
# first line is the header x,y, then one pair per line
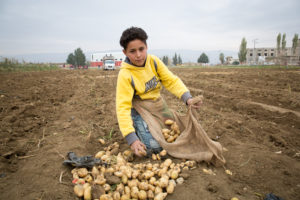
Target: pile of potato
x,y
123,180
171,134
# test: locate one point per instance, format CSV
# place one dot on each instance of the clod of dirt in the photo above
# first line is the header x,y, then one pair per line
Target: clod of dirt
x,y
114,151
180,180
97,191
184,175
277,142
111,180
212,188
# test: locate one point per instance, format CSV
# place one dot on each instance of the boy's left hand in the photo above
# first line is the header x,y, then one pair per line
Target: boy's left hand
x,y
195,105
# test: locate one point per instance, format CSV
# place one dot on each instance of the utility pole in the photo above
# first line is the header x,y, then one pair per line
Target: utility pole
x,y
254,53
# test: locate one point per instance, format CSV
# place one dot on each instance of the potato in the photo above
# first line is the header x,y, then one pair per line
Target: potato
x,y
166,136
128,155
120,160
100,180
158,157
133,183
106,158
156,183
100,154
134,192
167,162
120,188
150,194
172,165
125,197
82,172
74,171
162,171
227,171
127,190
151,187
174,174
171,139
143,153
142,195
102,169
172,133
87,193
135,173
190,163
172,182
102,141
170,188
154,157
106,187
118,174
158,190
110,170
105,197
148,174
163,182
175,128
124,179
143,186
75,176
116,195
152,180
78,190
160,196
165,131
169,122
149,166
95,172
88,178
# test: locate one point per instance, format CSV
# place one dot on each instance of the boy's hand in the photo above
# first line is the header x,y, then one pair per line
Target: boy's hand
x,y
138,148
196,105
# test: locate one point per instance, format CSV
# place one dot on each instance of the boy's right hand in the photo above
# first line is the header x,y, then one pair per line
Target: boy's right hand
x,y
138,148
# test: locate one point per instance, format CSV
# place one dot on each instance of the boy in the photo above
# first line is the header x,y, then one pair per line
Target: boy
x,y
142,76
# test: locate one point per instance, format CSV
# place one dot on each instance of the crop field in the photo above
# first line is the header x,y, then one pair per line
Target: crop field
x,y
253,113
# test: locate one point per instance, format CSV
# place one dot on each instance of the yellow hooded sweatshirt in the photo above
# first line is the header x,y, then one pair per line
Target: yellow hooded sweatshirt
x,y
144,83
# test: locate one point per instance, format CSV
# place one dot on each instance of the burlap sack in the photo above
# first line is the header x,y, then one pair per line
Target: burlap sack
x,y
193,143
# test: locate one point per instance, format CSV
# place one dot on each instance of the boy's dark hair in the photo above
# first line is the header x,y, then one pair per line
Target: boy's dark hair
x,y
131,34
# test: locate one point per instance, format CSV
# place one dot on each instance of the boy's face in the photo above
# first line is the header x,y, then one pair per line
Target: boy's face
x,y
136,51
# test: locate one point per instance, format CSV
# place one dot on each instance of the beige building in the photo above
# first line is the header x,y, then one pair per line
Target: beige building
x,y
261,56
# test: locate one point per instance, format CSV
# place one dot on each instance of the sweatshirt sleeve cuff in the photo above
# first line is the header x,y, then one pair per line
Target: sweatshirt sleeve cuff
x,y
131,137
187,95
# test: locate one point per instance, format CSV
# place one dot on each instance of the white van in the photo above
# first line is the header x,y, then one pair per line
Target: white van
x,y
109,65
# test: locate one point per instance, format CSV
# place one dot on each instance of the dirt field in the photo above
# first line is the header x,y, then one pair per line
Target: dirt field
x,y
254,113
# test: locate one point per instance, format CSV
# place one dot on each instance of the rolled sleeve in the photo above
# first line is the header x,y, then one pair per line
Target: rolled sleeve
x,y
131,137
187,95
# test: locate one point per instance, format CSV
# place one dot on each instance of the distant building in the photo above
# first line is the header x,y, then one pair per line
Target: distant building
x,y
97,58
266,55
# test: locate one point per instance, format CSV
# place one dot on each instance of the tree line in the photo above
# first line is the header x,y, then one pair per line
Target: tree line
x,y
281,42
176,59
77,58
281,46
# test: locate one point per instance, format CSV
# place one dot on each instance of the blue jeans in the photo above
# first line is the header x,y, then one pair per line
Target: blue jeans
x,y
142,131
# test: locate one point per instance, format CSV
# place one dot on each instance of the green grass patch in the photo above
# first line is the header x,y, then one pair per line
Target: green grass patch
x,y
109,136
12,65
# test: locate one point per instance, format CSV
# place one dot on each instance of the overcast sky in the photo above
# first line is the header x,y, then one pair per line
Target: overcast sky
x,y
58,26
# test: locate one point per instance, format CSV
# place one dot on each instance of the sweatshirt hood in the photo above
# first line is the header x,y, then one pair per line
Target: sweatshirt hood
x,y
129,65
